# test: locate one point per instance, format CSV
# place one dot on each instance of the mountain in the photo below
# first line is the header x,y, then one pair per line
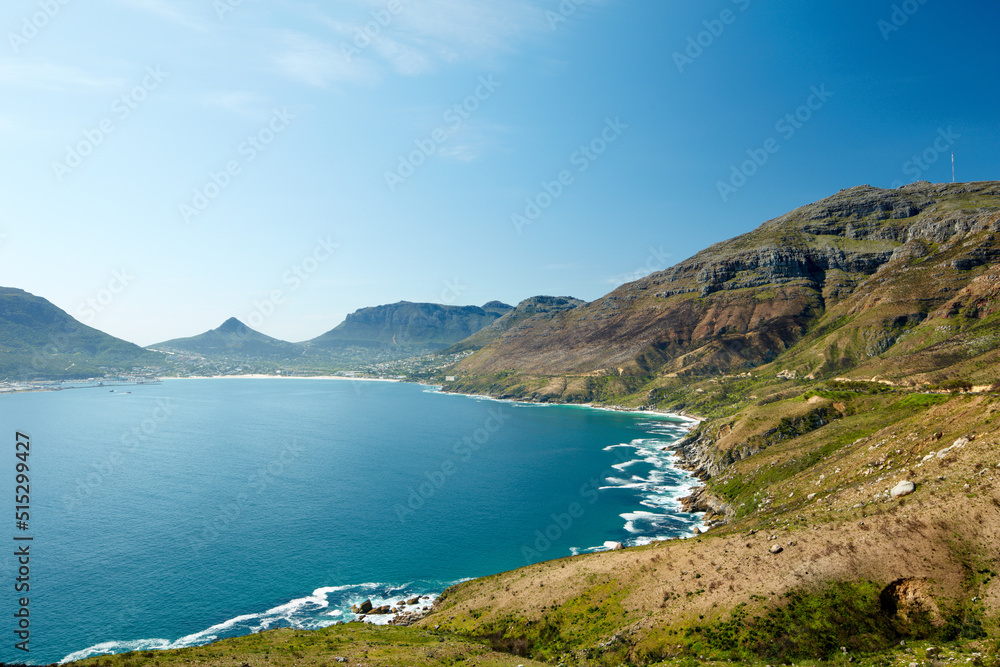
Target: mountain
x,y
41,341
543,306
896,280
416,326
233,339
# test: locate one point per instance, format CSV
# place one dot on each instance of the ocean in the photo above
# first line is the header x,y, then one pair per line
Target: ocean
x,y
172,514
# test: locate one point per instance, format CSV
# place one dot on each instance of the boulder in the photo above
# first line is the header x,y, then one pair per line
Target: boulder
x,y
617,546
908,599
363,608
413,601
776,549
904,488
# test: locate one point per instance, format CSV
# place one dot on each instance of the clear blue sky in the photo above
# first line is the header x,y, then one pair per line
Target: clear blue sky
x,y
308,114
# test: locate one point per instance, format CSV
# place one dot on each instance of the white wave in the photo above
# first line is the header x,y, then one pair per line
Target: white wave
x,y
308,612
620,467
661,488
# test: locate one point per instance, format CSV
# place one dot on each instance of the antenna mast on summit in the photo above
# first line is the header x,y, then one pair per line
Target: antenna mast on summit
x,y
953,166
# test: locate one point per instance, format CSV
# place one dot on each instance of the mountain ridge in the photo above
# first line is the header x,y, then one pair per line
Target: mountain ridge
x,y
426,326
232,338
741,303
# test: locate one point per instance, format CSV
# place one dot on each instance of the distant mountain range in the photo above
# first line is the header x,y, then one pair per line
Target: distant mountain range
x,y
384,332
40,341
898,282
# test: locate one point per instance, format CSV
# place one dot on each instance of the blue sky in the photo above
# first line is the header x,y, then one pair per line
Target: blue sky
x,y
167,165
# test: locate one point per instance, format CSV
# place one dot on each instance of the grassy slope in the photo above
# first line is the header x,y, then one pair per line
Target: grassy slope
x,y
360,644
840,549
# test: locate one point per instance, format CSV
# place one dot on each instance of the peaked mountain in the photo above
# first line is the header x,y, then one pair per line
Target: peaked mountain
x,y
887,278
38,340
428,326
541,306
232,339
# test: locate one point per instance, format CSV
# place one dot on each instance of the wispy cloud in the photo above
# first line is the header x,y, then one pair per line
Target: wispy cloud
x,y
425,34
170,11
458,29
403,58
462,152
48,76
238,101
317,63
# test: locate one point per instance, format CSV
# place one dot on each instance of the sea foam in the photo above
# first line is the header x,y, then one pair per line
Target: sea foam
x,y
324,607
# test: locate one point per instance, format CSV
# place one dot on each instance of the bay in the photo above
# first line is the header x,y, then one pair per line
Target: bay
x,y
198,509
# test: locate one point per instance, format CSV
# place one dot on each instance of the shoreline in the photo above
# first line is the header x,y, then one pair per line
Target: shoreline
x,y
261,376
682,415
410,613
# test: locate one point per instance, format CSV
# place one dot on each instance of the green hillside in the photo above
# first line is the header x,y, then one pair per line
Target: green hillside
x,y
40,341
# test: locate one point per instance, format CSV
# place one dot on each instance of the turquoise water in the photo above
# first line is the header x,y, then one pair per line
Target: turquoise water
x,y
201,509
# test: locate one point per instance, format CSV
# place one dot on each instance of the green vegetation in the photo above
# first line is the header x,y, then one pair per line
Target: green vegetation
x,y
838,618
582,621
358,643
40,341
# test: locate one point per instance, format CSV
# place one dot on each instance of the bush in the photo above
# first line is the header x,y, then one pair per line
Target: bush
x,y
810,625
956,384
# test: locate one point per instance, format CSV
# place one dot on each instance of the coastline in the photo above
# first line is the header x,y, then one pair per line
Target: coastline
x,y
682,415
261,376
322,600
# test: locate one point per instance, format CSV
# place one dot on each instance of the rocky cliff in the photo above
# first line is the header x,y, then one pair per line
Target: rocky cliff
x,y
406,324
872,260
541,306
